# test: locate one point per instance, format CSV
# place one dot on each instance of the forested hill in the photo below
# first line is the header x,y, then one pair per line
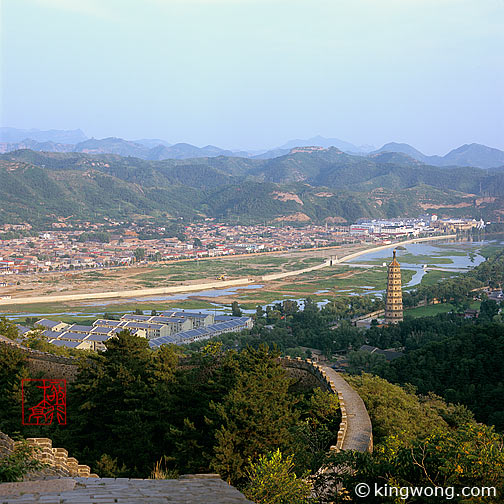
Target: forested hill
x,y
299,186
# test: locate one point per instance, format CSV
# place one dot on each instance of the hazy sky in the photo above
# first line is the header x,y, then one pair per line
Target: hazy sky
x,y
256,73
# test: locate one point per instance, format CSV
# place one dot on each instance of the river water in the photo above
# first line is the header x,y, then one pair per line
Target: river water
x,y
438,253
433,251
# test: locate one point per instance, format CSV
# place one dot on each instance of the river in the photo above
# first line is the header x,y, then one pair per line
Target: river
x,y
449,255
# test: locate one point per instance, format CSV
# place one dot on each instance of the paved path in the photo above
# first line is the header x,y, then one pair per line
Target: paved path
x,y
359,433
395,244
202,286
197,489
127,293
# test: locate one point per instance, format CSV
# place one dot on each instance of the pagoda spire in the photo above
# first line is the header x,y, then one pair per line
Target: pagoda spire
x,y
393,301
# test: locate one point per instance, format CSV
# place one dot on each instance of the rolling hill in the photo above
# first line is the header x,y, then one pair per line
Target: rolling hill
x,y
325,185
144,149
476,155
12,139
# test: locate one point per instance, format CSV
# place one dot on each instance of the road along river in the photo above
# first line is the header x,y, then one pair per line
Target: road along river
x,y
136,293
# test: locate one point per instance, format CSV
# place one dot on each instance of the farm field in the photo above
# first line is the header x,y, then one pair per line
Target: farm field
x,y
323,285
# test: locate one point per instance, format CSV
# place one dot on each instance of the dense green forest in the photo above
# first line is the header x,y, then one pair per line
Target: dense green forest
x,y
136,412
133,409
38,186
227,406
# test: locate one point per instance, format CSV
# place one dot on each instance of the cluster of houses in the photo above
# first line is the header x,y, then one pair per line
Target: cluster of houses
x,y
59,251
175,327
426,224
68,249
241,239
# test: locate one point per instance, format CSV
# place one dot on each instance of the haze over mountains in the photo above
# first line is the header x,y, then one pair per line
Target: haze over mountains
x,y
319,186
475,155
13,135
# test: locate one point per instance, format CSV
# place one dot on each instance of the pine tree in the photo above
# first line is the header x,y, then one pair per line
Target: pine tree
x,y
235,309
8,329
255,415
12,369
116,413
207,378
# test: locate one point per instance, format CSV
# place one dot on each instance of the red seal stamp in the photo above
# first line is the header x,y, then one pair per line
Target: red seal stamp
x,y
44,401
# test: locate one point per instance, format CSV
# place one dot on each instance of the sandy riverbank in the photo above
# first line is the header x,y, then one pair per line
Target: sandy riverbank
x,y
137,293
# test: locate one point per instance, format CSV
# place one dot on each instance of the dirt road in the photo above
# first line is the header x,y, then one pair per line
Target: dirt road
x,y
201,286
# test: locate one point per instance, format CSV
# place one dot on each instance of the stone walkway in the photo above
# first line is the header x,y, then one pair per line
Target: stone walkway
x,y
201,489
359,435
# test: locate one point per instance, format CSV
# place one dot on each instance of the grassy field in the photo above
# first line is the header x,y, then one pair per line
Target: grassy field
x,y
434,276
20,312
194,270
428,311
356,280
455,250
340,280
424,259
411,259
307,284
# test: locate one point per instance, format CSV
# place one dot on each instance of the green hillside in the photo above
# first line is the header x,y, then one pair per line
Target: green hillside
x,y
35,194
328,184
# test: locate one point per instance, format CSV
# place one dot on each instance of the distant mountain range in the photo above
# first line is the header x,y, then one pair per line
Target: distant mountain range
x,y
152,142
473,154
324,185
13,135
320,141
143,149
12,139
316,141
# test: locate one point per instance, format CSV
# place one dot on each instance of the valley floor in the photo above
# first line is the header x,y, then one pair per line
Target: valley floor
x,y
322,284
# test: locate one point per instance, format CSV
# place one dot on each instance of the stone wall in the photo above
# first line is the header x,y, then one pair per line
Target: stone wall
x,y
47,364
361,437
304,378
57,459
298,366
372,315
52,366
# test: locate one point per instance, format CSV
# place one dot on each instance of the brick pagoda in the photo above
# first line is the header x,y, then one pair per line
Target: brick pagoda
x,y
393,302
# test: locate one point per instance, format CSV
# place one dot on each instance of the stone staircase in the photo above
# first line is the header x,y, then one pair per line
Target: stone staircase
x,y
57,461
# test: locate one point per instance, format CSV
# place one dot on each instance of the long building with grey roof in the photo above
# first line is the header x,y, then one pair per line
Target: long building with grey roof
x,y
170,327
231,324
